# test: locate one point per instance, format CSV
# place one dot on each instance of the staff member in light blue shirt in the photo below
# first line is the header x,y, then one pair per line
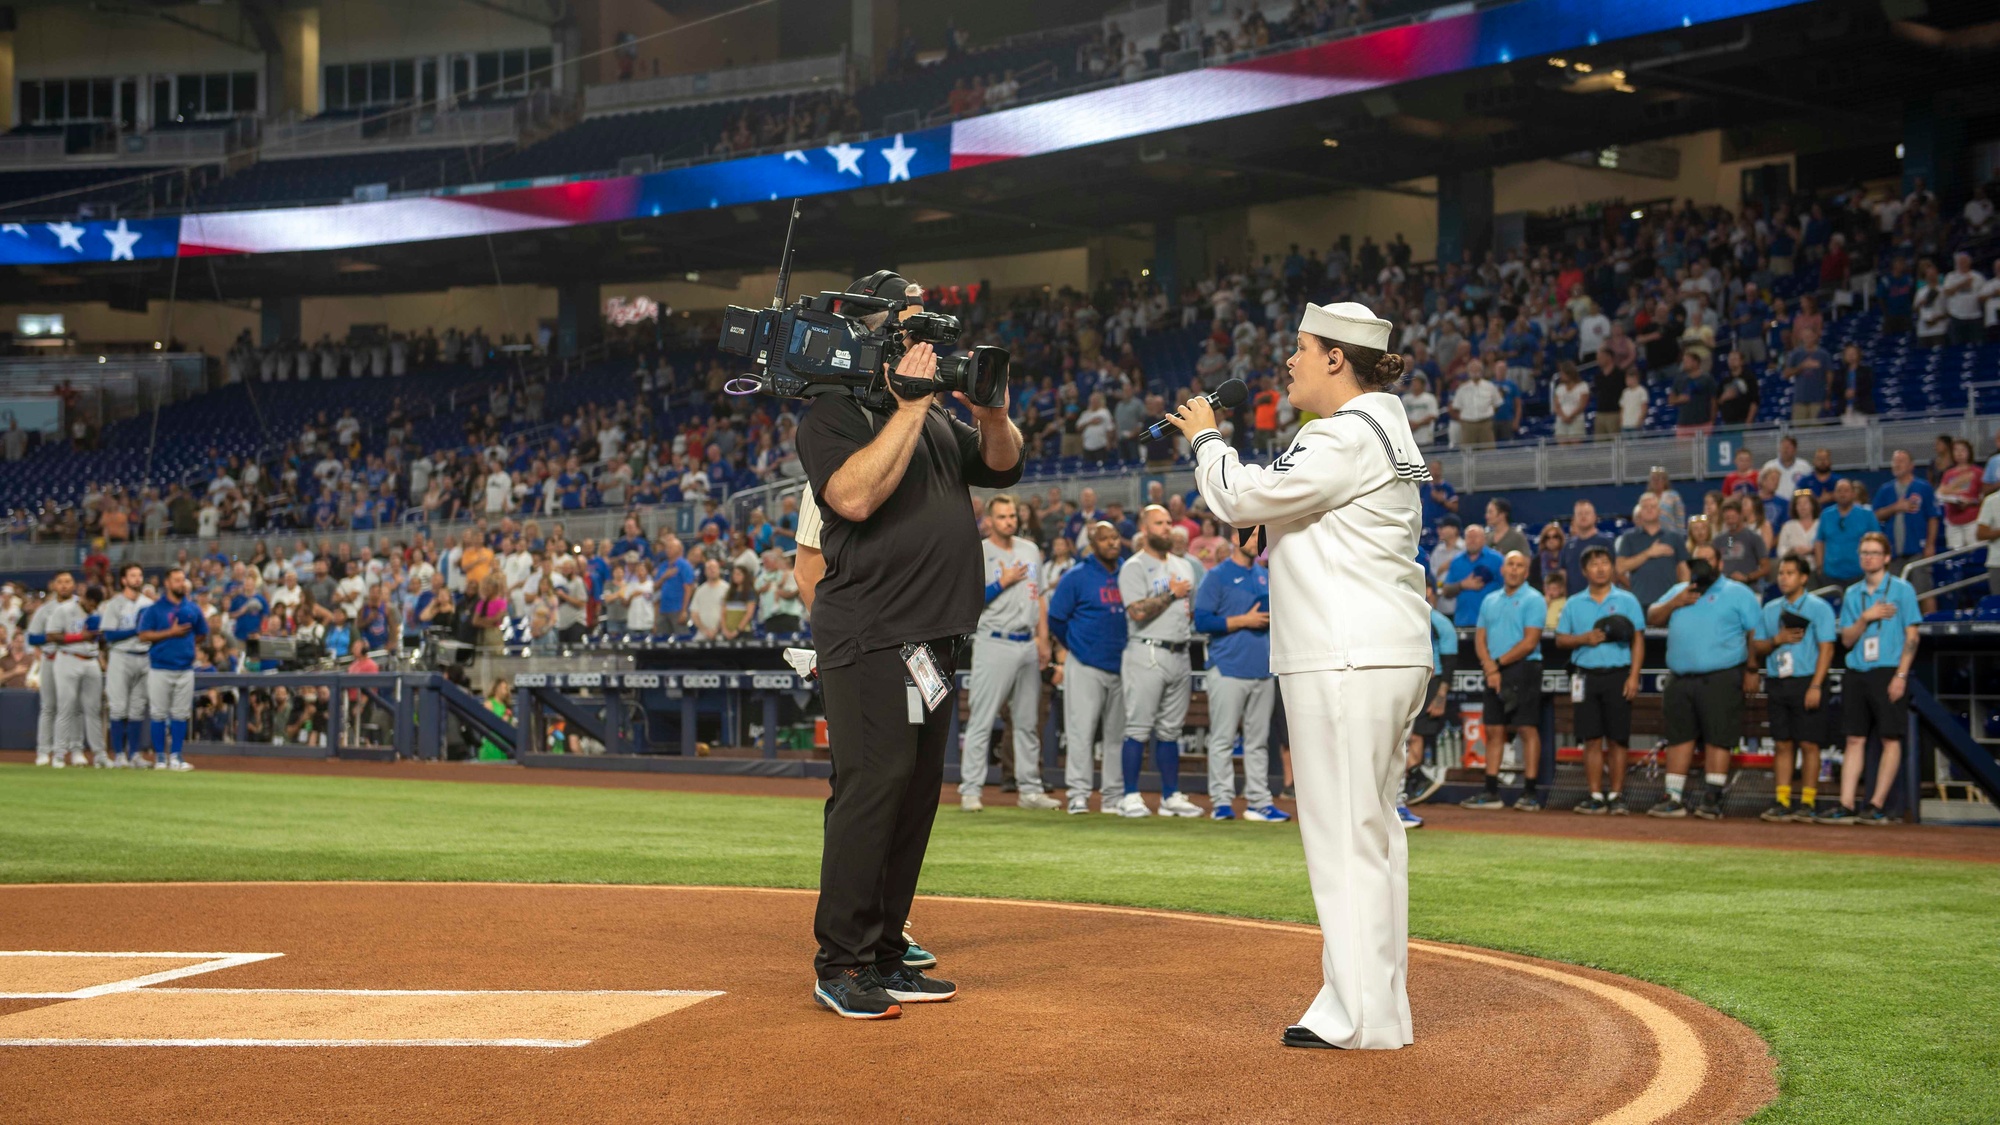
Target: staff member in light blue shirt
x,y
1795,637
1878,624
1509,643
1417,787
1710,622
1233,606
1605,655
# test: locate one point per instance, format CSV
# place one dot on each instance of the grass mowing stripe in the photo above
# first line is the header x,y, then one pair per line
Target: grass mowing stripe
x,y
1873,978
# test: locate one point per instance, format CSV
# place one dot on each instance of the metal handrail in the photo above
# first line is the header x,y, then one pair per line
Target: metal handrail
x,y
1931,561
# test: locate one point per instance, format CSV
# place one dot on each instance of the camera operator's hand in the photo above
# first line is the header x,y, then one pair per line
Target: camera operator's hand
x,y
919,363
986,413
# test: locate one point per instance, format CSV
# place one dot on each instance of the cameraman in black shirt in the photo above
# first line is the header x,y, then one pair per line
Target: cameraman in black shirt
x,y
903,583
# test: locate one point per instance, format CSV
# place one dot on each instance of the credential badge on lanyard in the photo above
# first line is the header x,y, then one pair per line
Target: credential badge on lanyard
x,y
927,688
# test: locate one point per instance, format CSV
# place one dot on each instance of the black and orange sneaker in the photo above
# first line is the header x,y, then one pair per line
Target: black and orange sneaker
x,y
857,994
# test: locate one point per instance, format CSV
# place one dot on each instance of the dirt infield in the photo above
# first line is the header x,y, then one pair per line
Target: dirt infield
x,y
692,1004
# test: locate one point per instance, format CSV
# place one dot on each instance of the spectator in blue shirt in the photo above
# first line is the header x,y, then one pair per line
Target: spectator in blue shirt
x,y
1906,507
1583,535
1440,499
1878,624
1710,622
1508,642
1472,576
248,607
1897,293
675,580
1808,366
1837,554
1086,619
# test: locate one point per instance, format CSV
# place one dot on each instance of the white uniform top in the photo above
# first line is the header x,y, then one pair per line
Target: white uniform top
x,y
1342,516
69,617
1015,610
809,520
120,613
1144,576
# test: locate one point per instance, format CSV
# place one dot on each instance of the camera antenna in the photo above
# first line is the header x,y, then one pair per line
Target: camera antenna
x,y
785,260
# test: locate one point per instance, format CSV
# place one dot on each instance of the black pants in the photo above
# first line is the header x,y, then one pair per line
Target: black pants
x,y
886,775
570,634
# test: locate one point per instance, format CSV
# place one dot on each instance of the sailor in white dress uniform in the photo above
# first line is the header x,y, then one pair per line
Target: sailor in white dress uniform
x,y
1350,644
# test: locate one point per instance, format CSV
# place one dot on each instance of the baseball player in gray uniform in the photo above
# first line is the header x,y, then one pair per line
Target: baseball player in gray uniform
x,y
72,626
1085,619
1006,661
61,589
125,675
1157,587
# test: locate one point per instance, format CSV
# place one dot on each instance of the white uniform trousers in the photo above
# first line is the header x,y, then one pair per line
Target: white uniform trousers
x,y
1093,715
1347,734
81,717
1010,672
1235,704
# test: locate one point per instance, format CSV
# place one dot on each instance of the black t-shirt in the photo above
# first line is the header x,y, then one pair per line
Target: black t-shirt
x,y
1607,385
911,571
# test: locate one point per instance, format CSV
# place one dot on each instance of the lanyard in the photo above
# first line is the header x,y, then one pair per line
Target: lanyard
x,y
1872,626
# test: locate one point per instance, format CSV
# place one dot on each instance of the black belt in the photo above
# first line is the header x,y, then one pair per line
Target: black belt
x,y
1170,646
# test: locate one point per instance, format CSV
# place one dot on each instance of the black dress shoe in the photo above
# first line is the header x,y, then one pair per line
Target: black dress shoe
x,y
1300,1036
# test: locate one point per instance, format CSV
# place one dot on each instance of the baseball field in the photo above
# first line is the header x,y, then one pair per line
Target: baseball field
x,y
1866,961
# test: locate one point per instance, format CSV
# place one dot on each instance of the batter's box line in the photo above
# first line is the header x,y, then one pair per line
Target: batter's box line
x,y
210,962
551,1043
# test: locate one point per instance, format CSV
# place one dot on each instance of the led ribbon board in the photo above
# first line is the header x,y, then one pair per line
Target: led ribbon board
x,y
1453,40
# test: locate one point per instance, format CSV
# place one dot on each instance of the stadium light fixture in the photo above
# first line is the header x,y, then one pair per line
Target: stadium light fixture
x,y
1582,68
1638,214
1899,150
1329,142
159,346
1558,63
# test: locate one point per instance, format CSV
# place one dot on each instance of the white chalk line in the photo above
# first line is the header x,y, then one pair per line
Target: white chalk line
x,y
214,962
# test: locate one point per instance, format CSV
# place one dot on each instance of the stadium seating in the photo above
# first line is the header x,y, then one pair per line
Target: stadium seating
x,y
90,185
323,178
598,144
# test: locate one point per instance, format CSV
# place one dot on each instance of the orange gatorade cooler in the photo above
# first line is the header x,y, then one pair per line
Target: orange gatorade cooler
x,y
1472,717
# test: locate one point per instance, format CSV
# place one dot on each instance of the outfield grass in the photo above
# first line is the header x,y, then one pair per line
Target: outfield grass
x,y
1877,981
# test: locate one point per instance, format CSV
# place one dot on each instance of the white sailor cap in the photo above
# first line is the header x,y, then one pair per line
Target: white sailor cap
x,y
1348,323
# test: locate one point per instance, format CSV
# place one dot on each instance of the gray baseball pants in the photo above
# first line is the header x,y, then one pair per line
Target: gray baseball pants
x,y
1093,715
1010,672
80,718
1236,704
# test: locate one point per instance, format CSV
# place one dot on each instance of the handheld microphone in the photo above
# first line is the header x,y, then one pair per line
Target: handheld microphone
x,y
1228,396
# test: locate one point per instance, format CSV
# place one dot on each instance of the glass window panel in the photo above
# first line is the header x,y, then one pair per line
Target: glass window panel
x,y
427,80
187,96
243,91
487,81
55,100
31,103
540,77
513,65
405,73
215,93
79,99
357,87
163,100
336,87
101,106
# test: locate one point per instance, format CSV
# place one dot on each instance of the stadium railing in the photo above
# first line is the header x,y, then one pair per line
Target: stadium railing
x,y
816,74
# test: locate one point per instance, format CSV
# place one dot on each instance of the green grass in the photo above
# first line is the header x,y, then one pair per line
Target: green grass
x,y
1877,981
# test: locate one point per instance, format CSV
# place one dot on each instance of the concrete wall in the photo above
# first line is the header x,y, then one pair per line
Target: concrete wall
x,y
738,40
1319,221
1704,177
365,30
208,327
75,41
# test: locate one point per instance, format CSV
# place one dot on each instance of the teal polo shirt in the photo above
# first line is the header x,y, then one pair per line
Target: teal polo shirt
x,y
1888,635
1507,615
1801,659
1582,613
1713,633
1842,536
1444,641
